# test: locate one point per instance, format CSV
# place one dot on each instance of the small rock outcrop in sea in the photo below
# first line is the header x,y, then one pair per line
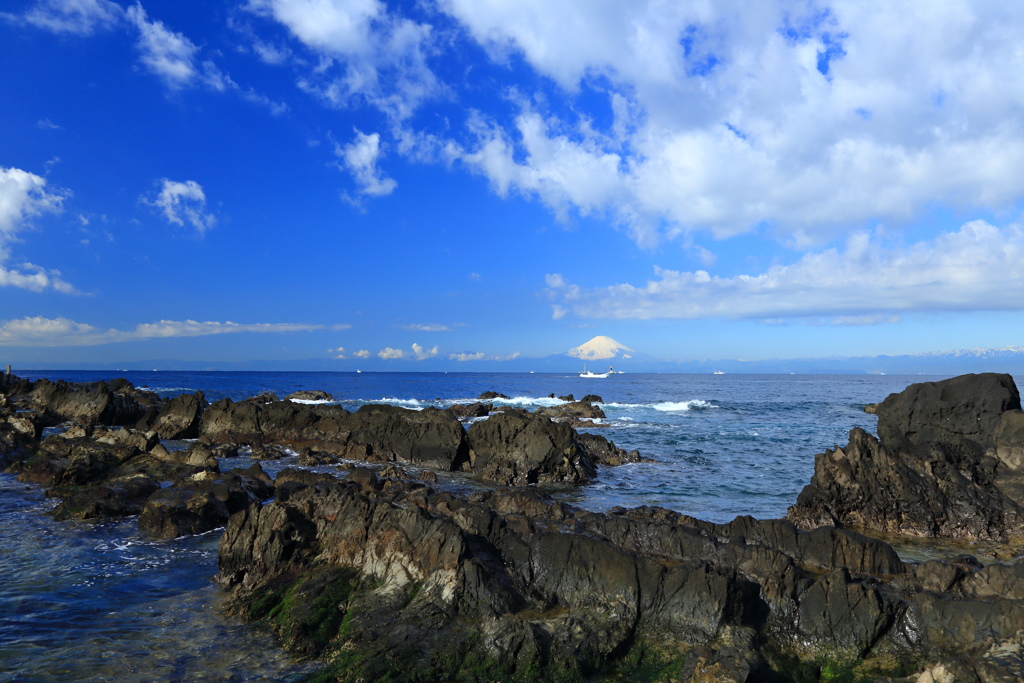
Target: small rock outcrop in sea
x,y
948,462
512,446
309,395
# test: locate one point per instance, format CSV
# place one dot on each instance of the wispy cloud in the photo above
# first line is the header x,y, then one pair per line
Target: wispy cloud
x,y
170,55
40,331
361,53
24,196
427,328
480,355
79,17
183,202
869,281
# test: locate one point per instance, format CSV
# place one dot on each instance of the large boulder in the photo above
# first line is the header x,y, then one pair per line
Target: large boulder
x,y
374,433
516,448
114,403
204,502
180,417
946,464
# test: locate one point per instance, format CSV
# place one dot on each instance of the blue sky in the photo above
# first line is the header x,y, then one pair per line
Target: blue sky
x,y
446,182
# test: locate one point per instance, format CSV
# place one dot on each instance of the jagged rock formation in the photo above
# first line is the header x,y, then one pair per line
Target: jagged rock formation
x,y
947,463
391,579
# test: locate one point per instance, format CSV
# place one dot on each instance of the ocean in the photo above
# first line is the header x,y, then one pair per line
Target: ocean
x,y
102,602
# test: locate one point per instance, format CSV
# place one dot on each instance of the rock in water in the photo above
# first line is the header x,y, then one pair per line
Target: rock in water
x,y
309,395
947,463
516,448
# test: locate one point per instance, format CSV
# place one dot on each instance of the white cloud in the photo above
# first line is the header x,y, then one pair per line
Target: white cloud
x,y
183,202
360,158
726,116
427,328
167,54
40,331
480,355
388,353
363,53
868,281
421,353
47,124
80,17
362,353
35,278
24,196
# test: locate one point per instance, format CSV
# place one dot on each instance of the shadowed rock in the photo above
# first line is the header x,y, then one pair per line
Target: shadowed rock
x,y
947,464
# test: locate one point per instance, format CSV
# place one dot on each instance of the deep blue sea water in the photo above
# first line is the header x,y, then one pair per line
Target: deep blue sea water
x,y
101,602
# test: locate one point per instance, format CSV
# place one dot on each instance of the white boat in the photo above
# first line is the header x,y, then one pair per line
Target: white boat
x,y
595,375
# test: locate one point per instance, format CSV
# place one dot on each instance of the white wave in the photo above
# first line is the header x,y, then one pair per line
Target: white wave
x,y
167,390
312,402
622,405
682,406
403,402
544,401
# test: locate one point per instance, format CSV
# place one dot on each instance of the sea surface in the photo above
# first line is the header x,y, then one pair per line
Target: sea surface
x,y
102,602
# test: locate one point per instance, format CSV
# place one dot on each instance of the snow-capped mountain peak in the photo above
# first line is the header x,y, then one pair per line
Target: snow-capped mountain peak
x,y
600,348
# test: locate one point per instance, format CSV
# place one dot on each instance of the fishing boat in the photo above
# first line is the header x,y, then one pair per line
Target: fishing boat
x,y
596,375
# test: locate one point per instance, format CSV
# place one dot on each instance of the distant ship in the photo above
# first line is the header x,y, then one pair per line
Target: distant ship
x,y
595,375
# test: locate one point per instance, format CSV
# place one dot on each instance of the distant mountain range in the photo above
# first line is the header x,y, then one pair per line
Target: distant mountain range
x,y
1008,359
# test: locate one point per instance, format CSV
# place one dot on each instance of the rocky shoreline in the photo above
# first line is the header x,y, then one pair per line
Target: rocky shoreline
x,y
386,577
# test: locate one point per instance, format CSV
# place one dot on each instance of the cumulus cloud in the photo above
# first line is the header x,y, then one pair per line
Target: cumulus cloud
x,y
40,331
417,353
24,196
727,118
183,202
421,353
362,353
79,17
388,353
360,158
870,280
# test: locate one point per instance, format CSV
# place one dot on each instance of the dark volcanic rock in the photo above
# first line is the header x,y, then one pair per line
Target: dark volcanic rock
x,y
110,499
180,417
946,465
575,410
463,411
491,395
374,433
515,448
509,584
963,409
309,395
605,452
203,503
114,403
